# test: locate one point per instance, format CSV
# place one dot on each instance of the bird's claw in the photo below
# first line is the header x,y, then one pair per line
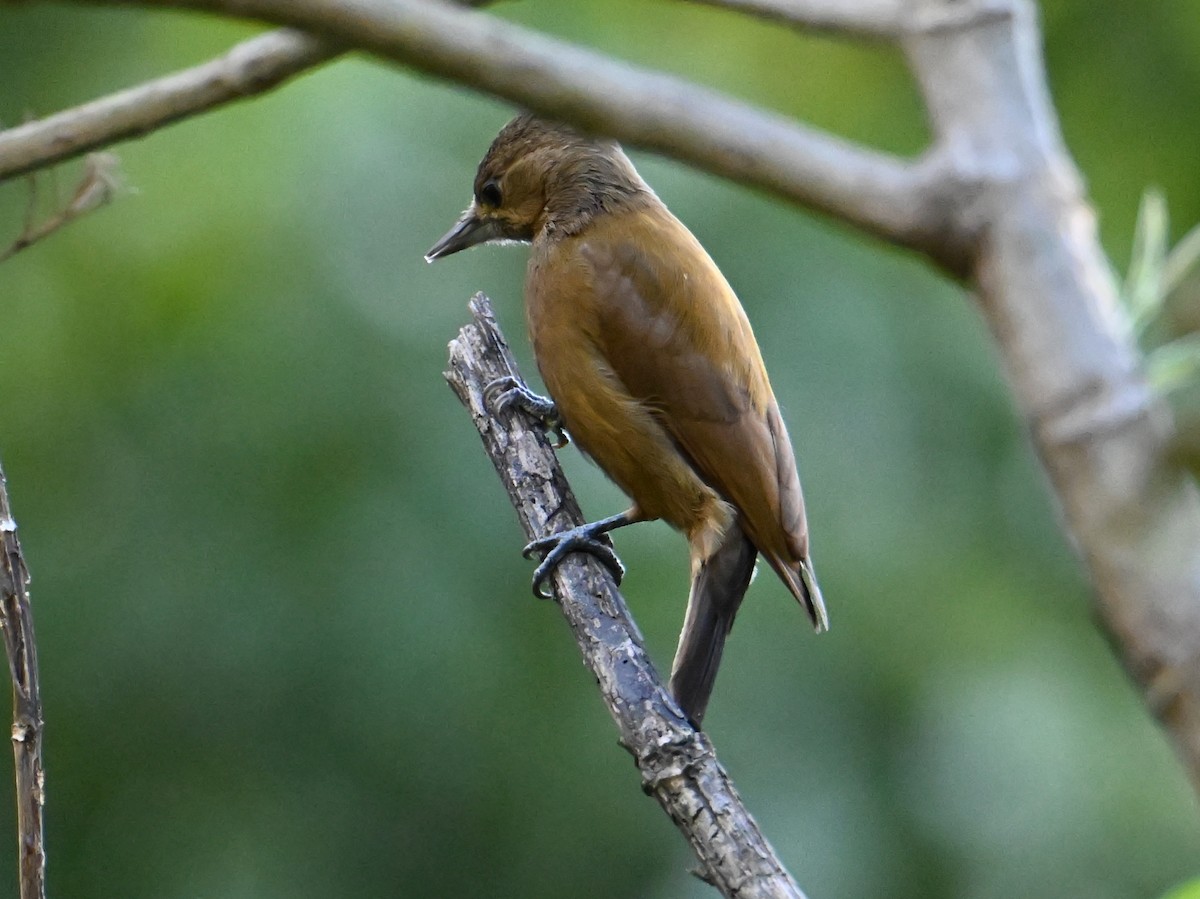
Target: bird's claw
x,y
586,538
508,393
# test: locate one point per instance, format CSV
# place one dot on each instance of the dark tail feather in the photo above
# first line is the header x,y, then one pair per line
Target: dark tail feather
x,y
717,592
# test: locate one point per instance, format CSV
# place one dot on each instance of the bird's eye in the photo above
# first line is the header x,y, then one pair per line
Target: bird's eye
x,y
490,193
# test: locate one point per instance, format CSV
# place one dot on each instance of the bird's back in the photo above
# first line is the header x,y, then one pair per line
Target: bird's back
x,y
632,306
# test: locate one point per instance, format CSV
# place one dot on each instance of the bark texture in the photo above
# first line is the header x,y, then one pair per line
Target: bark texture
x,y
16,618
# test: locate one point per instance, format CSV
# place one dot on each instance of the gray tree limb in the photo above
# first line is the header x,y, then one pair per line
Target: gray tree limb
x,y
1051,302
896,199
16,620
677,763
250,68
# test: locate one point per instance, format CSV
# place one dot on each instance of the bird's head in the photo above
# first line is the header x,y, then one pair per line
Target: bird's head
x,y
540,177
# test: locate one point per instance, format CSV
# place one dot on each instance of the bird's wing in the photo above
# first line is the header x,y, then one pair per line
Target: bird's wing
x,y
675,335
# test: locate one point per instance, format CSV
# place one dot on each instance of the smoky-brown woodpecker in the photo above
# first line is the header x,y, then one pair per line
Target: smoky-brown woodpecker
x,y
653,370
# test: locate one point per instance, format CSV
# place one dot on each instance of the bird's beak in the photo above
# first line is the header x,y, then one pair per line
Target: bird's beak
x,y
468,231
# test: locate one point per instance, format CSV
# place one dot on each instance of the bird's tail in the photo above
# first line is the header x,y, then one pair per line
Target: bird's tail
x,y
717,590
802,582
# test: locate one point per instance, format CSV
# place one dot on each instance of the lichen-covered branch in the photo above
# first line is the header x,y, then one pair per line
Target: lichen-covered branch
x,y
677,763
16,620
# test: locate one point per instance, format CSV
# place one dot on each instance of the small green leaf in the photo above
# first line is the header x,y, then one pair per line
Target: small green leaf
x,y
1174,364
1180,261
1189,890
1144,293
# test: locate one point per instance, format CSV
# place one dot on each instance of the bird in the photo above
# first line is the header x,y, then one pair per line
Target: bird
x,y
653,371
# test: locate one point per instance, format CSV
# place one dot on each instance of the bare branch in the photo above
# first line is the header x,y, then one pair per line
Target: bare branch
x,y
16,620
677,763
1050,299
898,200
252,67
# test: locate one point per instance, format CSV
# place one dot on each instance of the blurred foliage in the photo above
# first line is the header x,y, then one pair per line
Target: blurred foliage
x,y
287,641
1190,890
1157,274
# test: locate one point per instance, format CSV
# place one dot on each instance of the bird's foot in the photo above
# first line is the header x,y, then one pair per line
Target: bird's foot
x,y
509,393
587,538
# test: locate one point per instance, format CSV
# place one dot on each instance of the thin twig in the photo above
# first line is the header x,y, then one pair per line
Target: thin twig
x,y
16,619
99,184
677,763
250,68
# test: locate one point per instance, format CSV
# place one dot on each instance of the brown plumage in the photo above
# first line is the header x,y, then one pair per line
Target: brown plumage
x,y
653,370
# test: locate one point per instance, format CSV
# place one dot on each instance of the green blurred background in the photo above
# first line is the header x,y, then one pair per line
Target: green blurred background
x,y
286,636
